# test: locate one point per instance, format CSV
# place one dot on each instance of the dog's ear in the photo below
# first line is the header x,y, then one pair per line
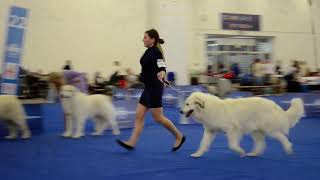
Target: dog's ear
x,y
199,102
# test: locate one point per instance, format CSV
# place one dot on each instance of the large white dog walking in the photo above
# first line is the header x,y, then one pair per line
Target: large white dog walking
x,y
235,117
78,107
13,115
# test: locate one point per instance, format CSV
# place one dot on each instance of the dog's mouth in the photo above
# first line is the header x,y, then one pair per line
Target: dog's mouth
x,y
189,113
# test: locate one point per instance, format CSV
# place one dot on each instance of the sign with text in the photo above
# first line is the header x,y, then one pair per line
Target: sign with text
x,y
242,22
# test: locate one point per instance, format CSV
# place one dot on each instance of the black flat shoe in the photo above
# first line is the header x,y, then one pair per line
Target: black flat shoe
x,y
124,145
179,146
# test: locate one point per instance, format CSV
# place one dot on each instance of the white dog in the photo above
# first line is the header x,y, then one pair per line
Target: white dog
x,y
235,117
13,115
78,107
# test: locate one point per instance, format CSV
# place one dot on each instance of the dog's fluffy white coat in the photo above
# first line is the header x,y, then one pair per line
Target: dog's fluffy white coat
x,y
78,107
257,116
13,115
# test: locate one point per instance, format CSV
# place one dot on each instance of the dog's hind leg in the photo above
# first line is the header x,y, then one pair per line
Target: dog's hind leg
x,y
12,127
100,126
22,124
286,144
234,138
259,143
207,139
114,125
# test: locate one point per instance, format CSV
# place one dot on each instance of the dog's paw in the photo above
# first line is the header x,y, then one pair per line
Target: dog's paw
x,y
252,154
242,155
116,132
289,151
26,136
196,155
77,136
96,134
67,134
10,137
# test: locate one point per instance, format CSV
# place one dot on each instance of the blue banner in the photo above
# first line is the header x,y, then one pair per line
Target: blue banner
x,y
16,26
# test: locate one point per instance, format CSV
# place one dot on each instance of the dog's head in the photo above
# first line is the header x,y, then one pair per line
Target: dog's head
x,y
68,91
193,104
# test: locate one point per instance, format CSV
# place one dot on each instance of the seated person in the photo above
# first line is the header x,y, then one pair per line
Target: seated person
x,y
98,79
58,79
292,79
132,79
99,85
257,70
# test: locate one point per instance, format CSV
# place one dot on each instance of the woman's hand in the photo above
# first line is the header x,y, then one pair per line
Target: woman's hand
x,y
161,75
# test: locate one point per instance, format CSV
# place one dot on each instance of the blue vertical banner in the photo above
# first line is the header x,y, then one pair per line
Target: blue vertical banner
x,y
16,27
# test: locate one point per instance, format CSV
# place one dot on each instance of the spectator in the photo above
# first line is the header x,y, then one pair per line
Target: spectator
x,y
68,65
278,68
209,70
74,78
195,72
292,78
98,79
131,78
269,71
269,68
118,74
221,68
235,69
304,69
257,70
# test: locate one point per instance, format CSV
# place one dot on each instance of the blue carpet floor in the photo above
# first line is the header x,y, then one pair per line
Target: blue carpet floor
x,y
50,157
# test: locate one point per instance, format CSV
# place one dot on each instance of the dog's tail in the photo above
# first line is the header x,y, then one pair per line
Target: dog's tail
x,y
295,112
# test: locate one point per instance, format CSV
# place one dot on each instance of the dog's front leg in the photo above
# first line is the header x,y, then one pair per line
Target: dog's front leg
x,y
68,125
68,118
234,137
207,139
80,122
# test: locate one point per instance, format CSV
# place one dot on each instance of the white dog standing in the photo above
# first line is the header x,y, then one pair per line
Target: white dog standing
x,y
78,107
13,115
236,117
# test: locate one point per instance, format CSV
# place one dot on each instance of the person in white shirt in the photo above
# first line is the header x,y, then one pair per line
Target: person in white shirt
x,y
304,69
269,68
257,68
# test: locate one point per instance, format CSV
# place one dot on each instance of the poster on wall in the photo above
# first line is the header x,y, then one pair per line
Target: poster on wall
x,y
16,26
242,22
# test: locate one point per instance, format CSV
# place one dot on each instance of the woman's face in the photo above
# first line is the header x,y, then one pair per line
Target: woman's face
x,y
147,41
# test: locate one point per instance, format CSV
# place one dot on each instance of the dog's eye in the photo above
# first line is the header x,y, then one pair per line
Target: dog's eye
x,y
187,104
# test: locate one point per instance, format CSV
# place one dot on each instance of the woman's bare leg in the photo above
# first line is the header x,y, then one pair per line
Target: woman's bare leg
x,y
158,116
138,126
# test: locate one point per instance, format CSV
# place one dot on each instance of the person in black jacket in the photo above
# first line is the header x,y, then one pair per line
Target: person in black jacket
x,y
152,75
